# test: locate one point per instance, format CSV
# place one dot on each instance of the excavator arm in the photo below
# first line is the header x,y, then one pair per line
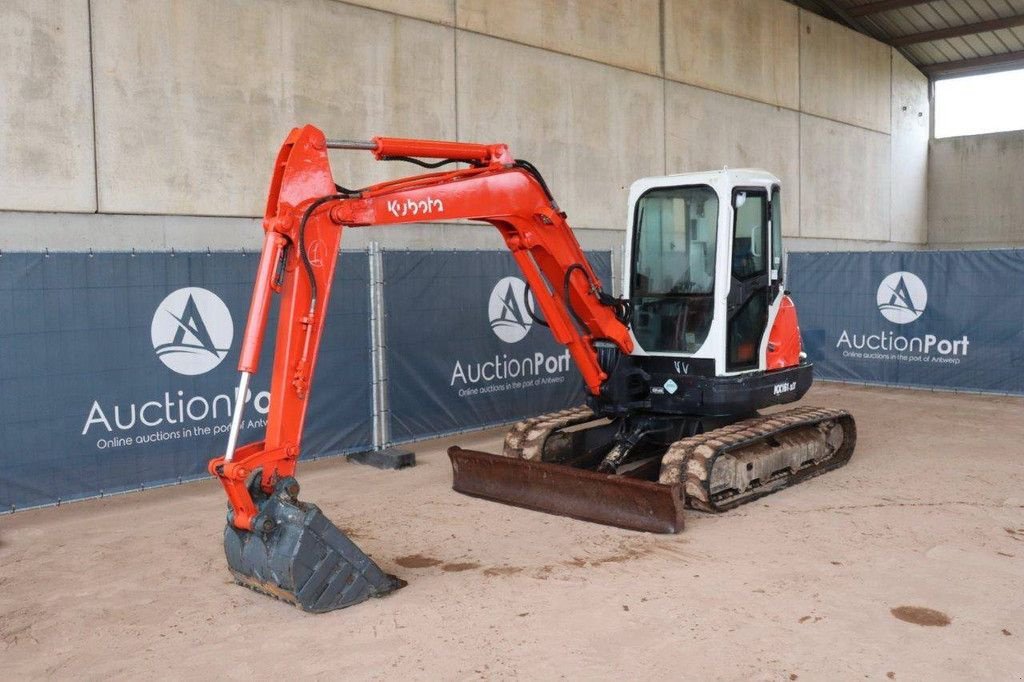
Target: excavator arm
x,y
306,212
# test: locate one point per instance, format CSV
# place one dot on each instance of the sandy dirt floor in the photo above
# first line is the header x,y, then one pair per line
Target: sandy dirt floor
x,y
799,585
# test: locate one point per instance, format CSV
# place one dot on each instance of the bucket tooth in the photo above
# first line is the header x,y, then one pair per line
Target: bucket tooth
x,y
303,559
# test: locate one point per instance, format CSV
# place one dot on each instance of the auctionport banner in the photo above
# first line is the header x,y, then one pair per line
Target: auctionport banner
x,y
462,349
935,319
118,371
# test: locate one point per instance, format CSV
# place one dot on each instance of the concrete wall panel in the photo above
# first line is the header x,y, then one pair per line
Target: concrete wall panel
x,y
437,11
190,115
739,47
974,190
707,131
625,34
910,131
844,75
590,129
46,142
844,188
34,232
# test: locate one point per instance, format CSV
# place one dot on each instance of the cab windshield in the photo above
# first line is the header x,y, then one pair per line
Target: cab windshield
x,y
674,267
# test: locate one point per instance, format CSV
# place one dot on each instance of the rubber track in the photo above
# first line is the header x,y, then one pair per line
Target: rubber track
x,y
691,460
526,438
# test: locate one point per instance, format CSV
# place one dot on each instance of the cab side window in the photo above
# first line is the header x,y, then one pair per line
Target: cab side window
x,y
776,235
749,256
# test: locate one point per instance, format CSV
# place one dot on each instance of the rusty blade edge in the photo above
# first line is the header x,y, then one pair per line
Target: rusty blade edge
x,y
265,587
577,493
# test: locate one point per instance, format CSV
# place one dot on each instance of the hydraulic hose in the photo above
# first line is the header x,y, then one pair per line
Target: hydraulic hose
x,y
532,170
422,163
306,264
565,293
530,311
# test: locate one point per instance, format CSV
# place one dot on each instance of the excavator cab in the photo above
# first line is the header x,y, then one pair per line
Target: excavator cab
x,y
687,233
704,279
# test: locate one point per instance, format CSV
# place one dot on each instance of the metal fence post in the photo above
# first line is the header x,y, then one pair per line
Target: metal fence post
x,y
381,425
375,360
382,456
378,345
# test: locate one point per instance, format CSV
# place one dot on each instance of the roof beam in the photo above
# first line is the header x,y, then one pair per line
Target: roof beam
x,y
972,67
882,6
957,31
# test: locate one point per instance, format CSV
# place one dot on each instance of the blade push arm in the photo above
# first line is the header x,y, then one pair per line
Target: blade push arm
x,y
306,212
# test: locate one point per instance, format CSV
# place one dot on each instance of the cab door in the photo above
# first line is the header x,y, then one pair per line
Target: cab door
x,y
751,283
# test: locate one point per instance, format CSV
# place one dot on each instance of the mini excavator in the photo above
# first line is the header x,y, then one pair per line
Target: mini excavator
x,y
676,370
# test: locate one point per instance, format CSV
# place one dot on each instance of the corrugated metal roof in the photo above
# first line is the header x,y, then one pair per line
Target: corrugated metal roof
x,y
943,38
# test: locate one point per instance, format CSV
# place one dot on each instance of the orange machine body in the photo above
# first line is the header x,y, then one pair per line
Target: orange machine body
x,y
784,345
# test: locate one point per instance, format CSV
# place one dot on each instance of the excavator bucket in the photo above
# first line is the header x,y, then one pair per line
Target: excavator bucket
x,y
299,556
630,503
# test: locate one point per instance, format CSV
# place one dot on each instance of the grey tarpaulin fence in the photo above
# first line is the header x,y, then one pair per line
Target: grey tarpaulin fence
x,y
461,350
934,319
117,370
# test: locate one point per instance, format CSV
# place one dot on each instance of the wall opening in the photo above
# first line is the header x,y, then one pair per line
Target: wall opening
x,y
974,105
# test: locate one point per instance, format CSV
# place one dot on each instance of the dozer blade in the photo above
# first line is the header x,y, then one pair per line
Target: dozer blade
x,y
578,493
303,559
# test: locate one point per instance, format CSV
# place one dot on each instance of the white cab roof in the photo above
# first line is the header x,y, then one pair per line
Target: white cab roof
x,y
726,176
722,181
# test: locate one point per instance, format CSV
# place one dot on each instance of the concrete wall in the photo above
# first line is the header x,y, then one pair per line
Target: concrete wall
x,y
975,197
191,108
706,129
844,75
46,125
843,200
744,48
622,33
590,129
187,101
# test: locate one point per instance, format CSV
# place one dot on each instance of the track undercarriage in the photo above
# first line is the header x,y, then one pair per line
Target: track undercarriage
x,y
640,473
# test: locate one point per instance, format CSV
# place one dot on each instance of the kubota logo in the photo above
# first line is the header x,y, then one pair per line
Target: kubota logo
x,y
426,206
191,331
507,309
902,297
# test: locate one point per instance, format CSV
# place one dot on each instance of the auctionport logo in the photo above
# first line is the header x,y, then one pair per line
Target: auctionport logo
x,y
507,310
902,297
510,319
192,331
